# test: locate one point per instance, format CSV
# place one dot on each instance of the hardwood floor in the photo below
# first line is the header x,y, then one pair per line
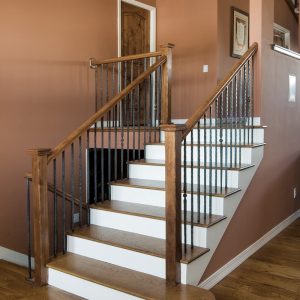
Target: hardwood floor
x,y
271,273
13,286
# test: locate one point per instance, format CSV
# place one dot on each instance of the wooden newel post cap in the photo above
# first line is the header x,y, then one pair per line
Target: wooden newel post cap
x,y
172,127
169,45
39,151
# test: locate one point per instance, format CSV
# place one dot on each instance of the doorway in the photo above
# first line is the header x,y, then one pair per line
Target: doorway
x,y
137,35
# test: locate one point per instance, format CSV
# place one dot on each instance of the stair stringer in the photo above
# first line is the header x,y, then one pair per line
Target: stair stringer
x,y
193,272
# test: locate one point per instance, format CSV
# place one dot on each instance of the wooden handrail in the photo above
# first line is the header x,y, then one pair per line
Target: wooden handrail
x,y
94,62
59,192
103,110
192,121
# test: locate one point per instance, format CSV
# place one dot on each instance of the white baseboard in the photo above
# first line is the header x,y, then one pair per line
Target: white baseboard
x,y
239,259
15,257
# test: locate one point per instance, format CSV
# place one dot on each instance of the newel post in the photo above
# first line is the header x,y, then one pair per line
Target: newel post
x,y
166,84
40,213
173,138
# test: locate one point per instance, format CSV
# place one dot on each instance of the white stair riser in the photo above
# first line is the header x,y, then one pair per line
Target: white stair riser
x,y
150,172
234,136
214,155
157,198
146,226
84,288
129,259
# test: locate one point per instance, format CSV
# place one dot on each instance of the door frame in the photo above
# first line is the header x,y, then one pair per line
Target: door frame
x,y
152,11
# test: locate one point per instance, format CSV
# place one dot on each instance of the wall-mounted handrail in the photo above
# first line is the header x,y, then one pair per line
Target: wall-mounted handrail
x,y
192,121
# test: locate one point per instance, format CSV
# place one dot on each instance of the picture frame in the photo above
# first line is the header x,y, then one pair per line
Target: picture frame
x,y
281,36
239,32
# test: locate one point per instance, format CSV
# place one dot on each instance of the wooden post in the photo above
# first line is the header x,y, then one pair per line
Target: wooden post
x,y
166,84
173,138
40,213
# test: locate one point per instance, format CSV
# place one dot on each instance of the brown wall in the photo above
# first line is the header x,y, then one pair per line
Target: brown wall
x,y
192,27
284,17
269,198
225,61
46,86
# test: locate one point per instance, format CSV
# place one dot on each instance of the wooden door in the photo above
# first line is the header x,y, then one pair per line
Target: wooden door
x,y
135,39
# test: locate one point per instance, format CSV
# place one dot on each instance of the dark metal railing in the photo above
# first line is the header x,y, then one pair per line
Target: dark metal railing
x,y
79,170
214,143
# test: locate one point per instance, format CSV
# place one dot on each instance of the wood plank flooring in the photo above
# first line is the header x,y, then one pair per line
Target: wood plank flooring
x,y
14,286
271,273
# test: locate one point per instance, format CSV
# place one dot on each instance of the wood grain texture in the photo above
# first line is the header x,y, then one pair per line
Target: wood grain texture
x,y
40,213
160,185
134,283
132,241
153,212
271,273
14,286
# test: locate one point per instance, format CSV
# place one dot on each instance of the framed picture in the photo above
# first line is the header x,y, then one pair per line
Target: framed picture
x,y
239,32
282,36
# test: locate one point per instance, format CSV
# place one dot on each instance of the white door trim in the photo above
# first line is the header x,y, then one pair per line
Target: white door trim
x,y
152,23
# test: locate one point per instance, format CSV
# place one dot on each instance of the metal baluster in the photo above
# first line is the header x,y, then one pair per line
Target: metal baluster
x,y
221,140
226,138
231,124
28,220
55,229
72,186
192,189
198,172
145,100
236,121
251,99
139,122
210,157
109,114
248,102
184,196
151,107
115,124
95,165
240,118
88,178
63,172
155,104
132,102
205,167
80,180
245,102
216,142
102,161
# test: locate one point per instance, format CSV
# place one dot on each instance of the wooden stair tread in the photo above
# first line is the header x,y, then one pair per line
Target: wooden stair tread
x,y
160,185
157,162
124,280
218,145
154,212
135,242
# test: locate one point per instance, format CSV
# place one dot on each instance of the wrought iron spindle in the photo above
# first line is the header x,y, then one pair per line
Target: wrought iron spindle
x,y
231,124
221,140
63,180
217,130
55,229
80,180
205,166
226,137
88,177
192,189
198,172
184,196
210,160
236,122
240,116
245,103
28,221
102,160
72,181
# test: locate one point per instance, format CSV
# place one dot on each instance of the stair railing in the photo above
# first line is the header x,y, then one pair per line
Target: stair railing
x,y
69,178
200,169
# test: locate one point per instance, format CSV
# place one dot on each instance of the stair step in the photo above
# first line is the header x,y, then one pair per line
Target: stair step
x,y
160,185
135,242
126,281
217,145
159,162
154,212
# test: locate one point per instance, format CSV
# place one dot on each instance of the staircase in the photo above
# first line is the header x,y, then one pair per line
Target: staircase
x,y
172,189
